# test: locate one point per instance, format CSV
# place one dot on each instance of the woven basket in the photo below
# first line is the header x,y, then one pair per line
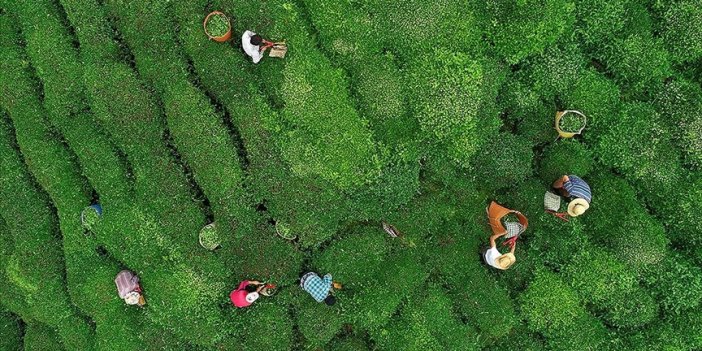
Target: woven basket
x,y
226,35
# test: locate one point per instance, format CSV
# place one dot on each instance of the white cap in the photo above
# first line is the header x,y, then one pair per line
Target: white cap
x,y
132,298
251,297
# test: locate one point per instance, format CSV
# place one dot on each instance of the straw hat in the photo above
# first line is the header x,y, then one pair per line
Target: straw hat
x,y
577,207
132,298
505,261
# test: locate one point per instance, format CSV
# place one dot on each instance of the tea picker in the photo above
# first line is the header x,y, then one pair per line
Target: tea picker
x,y
255,46
320,288
509,229
128,288
576,190
249,291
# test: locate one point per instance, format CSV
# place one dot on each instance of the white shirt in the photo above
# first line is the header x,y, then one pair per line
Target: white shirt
x,y
252,50
491,257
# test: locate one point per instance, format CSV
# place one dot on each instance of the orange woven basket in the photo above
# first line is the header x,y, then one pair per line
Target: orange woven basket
x,y
222,38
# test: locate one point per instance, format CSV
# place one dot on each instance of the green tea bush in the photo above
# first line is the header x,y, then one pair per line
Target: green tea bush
x,y
267,326
553,309
678,209
40,337
347,344
346,32
520,339
135,255
680,106
639,146
56,63
484,303
412,113
565,157
427,322
437,310
317,322
503,161
639,64
522,28
598,23
453,97
344,154
10,336
598,98
597,275
517,99
537,125
197,129
381,94
124,107
311,212
411,27
611,288
36,266
676,284
618,220
552,72
319,131
682,38
355,258
373,305
681,332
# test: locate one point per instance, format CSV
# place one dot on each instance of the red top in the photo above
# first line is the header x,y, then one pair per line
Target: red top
x,y
238,296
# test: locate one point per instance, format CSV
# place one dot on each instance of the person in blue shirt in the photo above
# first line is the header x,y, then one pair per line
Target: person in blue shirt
x,y
319,288
577,190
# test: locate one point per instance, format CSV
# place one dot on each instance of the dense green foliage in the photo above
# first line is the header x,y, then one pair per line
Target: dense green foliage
x,y
414,113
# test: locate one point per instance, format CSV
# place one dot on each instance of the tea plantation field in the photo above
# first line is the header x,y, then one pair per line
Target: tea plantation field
x,y
412,112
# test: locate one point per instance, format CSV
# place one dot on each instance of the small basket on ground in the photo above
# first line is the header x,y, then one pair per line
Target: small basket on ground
x,y
269,289
278,50
552,202
217,26
284,232
564,119
209,238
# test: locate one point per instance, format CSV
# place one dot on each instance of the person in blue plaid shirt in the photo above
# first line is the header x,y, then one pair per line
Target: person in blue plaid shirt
x,y
319,288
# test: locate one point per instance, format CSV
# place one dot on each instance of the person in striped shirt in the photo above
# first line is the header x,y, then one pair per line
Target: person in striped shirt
x,y
577,190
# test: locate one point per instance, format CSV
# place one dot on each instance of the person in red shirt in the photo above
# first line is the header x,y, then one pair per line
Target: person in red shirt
x,y
247,292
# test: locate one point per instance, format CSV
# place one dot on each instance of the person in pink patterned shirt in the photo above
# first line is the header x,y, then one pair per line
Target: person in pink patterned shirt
x,y
247,293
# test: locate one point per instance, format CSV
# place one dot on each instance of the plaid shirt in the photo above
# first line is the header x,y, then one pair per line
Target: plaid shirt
x,y
316,286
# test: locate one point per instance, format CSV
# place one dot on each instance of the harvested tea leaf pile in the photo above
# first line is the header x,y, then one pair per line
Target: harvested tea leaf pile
x,y
217,25
412,113
572,122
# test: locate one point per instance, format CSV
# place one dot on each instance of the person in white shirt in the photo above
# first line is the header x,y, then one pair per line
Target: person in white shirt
x,y
251,43
494,258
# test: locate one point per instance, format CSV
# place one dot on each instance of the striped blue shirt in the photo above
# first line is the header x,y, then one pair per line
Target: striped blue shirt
x,y
317,287
578,188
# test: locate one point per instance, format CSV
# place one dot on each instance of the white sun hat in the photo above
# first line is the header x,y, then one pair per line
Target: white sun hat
x,y
251,297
